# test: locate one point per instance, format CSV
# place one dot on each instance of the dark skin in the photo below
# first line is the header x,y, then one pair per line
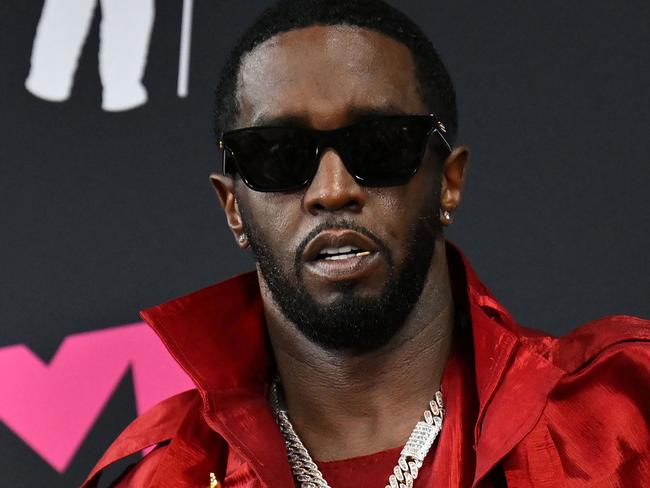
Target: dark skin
x,y
345,404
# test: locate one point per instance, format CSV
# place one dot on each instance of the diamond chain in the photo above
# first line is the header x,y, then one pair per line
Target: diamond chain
x,y
405,472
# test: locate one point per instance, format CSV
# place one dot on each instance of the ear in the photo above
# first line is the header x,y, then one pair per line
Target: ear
x,y
225,189
453,178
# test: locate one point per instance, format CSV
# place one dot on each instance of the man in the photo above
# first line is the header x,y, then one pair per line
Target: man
x,y
337,123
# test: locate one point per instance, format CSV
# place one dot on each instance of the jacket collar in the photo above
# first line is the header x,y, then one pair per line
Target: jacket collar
x,y
218,337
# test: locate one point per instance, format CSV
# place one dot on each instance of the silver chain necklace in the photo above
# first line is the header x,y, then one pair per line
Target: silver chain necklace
x,y
405,472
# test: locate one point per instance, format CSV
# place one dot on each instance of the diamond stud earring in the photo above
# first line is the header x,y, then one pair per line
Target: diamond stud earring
x,y
446,217
243,238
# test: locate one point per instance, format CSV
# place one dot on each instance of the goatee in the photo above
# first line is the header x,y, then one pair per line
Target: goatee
x,y
352,322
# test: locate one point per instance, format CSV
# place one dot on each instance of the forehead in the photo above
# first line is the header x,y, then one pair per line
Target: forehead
x,y
323,74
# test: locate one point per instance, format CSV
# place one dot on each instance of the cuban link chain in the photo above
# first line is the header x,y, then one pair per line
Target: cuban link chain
x,y
410,461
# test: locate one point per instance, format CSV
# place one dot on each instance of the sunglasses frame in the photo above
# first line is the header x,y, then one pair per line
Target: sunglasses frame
x,y
437,126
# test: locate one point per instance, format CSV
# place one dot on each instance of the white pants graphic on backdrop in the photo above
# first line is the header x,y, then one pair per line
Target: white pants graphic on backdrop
x,y
125,32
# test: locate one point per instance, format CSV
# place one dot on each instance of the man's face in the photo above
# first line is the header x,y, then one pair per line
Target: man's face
x,y
325,78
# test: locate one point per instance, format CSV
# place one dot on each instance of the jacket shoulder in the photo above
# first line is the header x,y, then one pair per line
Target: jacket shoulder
x,y
601,337
584,344
154,427
594,427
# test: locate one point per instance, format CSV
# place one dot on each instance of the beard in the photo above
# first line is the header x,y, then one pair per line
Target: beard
x,y
351,322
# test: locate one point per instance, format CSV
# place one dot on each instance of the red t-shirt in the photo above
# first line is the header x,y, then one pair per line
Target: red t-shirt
x,y
371,471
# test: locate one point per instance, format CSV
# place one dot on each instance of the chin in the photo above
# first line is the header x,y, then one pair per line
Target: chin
x,y
343,292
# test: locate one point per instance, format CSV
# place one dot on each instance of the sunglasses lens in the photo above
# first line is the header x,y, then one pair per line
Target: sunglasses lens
x,y
273,159
387,151
384,151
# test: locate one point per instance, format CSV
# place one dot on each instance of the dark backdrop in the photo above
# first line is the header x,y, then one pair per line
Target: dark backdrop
x,y
103,213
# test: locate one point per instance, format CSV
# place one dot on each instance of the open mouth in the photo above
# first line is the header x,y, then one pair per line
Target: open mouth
x,y
338,255
338,245
343,252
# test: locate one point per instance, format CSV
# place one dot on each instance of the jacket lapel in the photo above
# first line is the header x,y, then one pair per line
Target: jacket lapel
x,y
512,380
246,422
218,336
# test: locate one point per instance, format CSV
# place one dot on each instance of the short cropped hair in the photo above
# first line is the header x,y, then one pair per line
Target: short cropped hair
x,y
434,83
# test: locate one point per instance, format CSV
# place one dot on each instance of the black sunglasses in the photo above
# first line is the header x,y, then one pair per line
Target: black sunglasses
x,y
381,151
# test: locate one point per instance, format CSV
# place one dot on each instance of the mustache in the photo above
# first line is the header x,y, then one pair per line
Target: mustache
x,y
337,224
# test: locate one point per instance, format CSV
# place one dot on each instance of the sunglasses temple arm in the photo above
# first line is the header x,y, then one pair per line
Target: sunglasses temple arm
x,y
444,139
223,157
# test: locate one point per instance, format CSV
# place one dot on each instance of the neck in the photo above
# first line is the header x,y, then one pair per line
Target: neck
x,y
345,405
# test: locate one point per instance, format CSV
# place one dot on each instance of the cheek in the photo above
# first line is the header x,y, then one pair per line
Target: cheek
x,y
391,210
274,216
423,191
404,204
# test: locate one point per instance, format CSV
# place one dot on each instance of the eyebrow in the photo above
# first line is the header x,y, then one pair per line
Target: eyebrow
x,y
356,114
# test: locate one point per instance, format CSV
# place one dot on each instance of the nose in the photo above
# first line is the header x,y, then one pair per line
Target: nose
x,y
333,188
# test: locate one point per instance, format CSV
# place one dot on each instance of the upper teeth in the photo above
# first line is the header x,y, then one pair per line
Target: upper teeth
x,y
330,251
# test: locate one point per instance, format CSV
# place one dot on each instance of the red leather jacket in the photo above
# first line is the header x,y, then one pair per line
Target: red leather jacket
x,y
551,412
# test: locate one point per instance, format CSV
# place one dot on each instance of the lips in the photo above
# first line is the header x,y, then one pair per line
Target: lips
x,y
336,245
337,256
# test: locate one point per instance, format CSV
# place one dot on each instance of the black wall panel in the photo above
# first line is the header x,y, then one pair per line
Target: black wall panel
x,y
105,213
